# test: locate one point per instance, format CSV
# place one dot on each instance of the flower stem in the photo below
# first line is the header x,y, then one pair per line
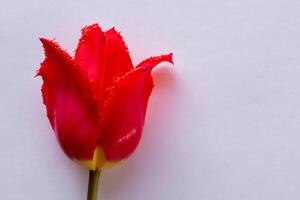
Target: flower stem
x,y
93,184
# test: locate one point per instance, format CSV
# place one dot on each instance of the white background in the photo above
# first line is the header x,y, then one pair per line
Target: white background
x,y
222,124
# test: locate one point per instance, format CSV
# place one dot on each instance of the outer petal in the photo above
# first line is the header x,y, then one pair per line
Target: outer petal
x,y
104,56
70,105
125,109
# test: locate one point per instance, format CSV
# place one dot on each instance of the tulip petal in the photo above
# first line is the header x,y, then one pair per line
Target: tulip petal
x,y
69,102
124,112
104,56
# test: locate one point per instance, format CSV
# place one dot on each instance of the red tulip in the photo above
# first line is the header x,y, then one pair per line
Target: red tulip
x,y
96,101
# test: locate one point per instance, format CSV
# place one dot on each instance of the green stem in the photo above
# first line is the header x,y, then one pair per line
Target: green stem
x,y
93,184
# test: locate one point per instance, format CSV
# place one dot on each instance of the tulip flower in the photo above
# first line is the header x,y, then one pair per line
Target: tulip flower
x,y
96,101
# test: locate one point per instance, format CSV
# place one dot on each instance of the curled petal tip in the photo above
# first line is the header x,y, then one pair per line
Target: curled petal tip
x,y
151,62
169,58
164,58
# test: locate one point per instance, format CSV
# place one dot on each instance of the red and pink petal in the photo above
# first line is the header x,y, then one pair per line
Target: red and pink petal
x,y
124,112
69,102
104,56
